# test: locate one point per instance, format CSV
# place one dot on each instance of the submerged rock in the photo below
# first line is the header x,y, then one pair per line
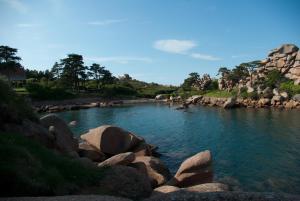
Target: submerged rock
x,y
208,187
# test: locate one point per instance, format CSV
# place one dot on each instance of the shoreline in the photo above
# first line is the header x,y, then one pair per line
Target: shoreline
x,y
227,103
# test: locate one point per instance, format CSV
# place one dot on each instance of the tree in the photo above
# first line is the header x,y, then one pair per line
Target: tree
x,y
96,71
9,62
73,68
56,70
251,67
223,71
188,82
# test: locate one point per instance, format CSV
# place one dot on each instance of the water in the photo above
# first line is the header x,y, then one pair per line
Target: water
x,y
253,150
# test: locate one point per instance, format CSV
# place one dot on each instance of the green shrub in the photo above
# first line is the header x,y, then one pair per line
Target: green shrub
x,y
114,90
40,92
220,93
290,88
29,169
273,79
12,103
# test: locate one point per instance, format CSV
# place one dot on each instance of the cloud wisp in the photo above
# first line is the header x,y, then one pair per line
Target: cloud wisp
x,y
27,25
204,57
182,47
174,46
119,59
106,22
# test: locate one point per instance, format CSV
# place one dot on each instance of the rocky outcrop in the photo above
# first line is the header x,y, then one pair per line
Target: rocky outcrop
x,y
86,150
157,173
119,159
285,59
229,103
111,139
194,170
126,182
163,190
63,136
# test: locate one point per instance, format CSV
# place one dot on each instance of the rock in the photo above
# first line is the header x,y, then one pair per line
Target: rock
x,y
296,97
193,99
164,189
73,123
142,149
284,95
157,173
160,97
277,98
86,150
223,196
267,93
64,141
208,187
125,182
111,139
264,102
194,170
120,159
250,89
275,92
229,103
298,56
291,104
85,161
288,49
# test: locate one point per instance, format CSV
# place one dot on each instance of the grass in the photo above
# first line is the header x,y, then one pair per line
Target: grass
x,y
29,169
21,91
290,88
219,94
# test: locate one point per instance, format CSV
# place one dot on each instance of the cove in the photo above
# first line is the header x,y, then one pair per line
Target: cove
x,y
253,149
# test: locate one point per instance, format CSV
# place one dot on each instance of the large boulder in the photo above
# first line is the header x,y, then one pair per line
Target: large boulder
x,y
208,187
119,159
288,49
86,150
153,168
229,103
64,140
126,182
142,149
111,139
194,170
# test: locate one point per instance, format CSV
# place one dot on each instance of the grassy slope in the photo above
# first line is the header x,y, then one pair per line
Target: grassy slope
x,y
28,168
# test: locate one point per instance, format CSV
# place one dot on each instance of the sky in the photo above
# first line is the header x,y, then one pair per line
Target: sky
x,y
152,40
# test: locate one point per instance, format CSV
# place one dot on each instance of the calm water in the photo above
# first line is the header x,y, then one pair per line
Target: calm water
x,y
253,150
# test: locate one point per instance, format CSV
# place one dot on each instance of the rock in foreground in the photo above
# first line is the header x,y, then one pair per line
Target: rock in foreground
x,y
111,139
194,170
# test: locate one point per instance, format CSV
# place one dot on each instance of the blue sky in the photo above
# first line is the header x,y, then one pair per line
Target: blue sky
x,y
155,41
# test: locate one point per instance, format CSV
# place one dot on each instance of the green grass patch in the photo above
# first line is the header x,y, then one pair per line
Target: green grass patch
x,y
290,88
220,94
29,169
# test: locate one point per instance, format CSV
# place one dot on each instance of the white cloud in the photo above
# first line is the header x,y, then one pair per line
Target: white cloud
x,y
174,46
17,5
27,25
204,57
119,59
107,22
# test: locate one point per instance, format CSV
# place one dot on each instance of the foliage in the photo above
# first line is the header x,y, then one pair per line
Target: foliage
x,y
273,78
114,90
14,103
220,93
244,94
290,88
188,82
29,169
41,92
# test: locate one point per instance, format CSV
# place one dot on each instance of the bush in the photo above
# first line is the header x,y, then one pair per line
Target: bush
x,y
29,169
40,92
11,103
114,90
290,88
273,79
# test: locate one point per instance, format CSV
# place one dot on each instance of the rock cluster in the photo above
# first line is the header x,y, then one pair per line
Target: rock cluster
x,y
285,59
